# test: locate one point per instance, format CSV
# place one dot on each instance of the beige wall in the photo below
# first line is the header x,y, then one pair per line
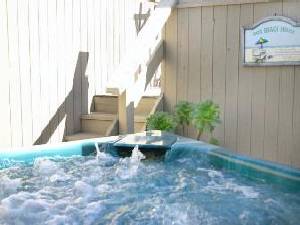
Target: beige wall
x,y
55,55
260,106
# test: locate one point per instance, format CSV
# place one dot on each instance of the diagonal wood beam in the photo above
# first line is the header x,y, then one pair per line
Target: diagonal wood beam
x,y
124,77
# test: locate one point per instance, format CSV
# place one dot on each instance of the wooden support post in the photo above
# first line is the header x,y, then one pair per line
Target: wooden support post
x,y
126,113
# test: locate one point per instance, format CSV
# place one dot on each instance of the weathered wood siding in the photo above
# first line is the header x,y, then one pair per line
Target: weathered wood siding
x,y
55,55
260,106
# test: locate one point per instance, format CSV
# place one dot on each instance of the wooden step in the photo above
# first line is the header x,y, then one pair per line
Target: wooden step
x,y
139,123
81,136
147,105
99,116
113,90
107,104
98,123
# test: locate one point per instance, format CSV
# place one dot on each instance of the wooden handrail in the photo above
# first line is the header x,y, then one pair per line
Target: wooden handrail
x,y
133,72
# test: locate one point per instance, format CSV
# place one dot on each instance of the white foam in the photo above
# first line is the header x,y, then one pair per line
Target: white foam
x,y
247,191
60,177
97,149
83,189
244,217
185,213
271,201
214,173
227,185
46,167
57,220
92,213
23,207
128,167
8,186
103,188
136,155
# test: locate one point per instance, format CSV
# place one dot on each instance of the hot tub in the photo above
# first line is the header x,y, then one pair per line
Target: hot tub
x,y
194,183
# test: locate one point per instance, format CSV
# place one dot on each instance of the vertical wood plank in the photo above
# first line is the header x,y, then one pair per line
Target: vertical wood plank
x,y
219,66
110,38
244,92
52,69
5,133
60,30
44,62
232,73
44,55
286,101
35,68
122,27
25,71
182,63
69,67
163,68
116,33
76,66
171,62
194,51
206,52
84,25
296,119
128,24
103,53
271,116
88,83
97,48
207,56
292,8
91,48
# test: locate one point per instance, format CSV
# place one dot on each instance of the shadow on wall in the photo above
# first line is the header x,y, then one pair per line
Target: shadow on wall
x,y
74,105
141,19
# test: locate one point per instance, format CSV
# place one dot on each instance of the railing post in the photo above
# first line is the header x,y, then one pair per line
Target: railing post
x,y
126,113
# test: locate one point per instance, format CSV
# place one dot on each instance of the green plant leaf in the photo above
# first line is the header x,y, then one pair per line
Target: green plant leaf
x,y
161,121
213,141
206,116
183,113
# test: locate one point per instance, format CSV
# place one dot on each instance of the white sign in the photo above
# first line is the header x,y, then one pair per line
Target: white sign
x,y
272,41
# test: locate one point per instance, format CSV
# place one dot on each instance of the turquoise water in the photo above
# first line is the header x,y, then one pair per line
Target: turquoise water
x,y
187,187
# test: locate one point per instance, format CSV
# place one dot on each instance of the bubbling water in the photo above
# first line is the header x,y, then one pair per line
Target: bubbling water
x,y
129,166
104,189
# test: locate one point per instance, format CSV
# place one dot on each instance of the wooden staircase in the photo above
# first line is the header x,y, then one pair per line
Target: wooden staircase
x,y
114,114
147,106
101,122
103,119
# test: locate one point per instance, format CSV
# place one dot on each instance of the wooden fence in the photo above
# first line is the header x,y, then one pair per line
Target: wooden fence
x,y
260,106
55,55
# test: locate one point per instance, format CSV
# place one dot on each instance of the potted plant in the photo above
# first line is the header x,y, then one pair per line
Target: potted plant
x,y
183,114
205,117
161,121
